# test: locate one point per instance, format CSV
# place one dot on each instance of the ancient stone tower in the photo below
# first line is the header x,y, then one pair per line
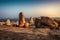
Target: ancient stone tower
x,y
31,20
8,22
21,19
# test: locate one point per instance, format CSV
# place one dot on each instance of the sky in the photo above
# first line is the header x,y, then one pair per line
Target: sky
x,y
34,8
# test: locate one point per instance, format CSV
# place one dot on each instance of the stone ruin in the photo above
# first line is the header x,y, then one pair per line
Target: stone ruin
x,y
8,22
45,21
22,22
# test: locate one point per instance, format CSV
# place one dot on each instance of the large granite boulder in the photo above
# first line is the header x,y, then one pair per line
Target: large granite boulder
x,y
46,21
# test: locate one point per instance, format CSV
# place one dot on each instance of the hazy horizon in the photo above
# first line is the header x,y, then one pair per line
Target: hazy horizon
x,y
34,8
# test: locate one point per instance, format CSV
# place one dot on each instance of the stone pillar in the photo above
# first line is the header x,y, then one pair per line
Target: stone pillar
x,y
8,22
21,19
31,20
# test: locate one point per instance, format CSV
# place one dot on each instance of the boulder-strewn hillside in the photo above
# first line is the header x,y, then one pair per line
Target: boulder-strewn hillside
x,y
15,33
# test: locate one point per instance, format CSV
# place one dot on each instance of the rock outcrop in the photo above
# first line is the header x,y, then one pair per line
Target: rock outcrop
x,y
8,22
21,19
46,21
31,21
22,22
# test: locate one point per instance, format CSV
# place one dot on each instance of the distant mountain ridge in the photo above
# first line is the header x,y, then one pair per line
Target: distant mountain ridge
x,y
12,19
16,19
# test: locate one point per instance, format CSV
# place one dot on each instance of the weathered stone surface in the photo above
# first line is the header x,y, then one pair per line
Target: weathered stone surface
x,y
8,22
17,22
21,19
26,24
46,21
37,23
22,22
31,20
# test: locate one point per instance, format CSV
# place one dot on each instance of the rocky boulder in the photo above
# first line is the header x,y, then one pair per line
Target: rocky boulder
x,y
46,21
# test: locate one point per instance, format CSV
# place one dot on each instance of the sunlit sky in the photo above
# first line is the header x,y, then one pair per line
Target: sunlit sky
x,y
35,8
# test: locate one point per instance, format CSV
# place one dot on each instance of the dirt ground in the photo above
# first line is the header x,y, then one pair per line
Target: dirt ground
x,y
16,33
